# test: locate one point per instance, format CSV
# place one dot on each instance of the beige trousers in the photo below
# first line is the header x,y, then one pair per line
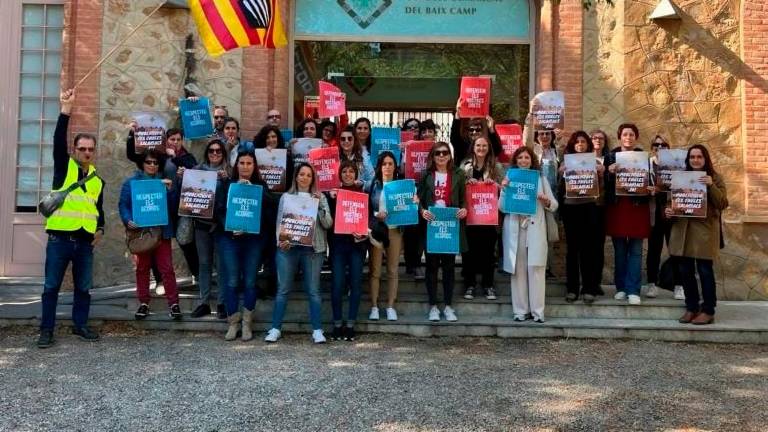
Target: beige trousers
x,y
393,260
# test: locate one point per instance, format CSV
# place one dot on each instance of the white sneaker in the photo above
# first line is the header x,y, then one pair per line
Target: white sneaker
x,y
449,313
679,292
160,289
651,290
391,314
620,295
634,299
318,337
374,315
434,314
272,335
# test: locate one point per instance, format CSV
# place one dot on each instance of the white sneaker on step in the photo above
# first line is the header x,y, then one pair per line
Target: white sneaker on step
x,y
434,314
391,314
620,295
272,335
634,299
651,290
450,314
374,315
679,292
318,337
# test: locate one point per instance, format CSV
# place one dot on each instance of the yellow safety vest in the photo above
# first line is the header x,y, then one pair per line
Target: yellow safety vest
x,y
79,208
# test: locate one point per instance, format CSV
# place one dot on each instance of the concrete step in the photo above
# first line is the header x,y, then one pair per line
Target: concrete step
x,y
737,322
418,304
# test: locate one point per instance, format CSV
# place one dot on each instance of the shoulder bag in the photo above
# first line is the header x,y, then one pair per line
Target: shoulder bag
x,y
51,202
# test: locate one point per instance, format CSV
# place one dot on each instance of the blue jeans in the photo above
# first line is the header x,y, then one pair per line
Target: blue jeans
x,y
207,256
346,255
628,257
688,268
59,251
239,256
287,266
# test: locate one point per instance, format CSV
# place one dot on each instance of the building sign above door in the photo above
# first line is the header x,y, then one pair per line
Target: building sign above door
x,y
492,21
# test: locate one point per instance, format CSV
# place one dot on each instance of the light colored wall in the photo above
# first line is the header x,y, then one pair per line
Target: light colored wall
x,y
147,73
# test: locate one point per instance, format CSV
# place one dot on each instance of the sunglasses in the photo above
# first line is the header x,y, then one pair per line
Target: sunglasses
x,y
214,151
218,117
273,116
442,153
151,162
475,129
86,149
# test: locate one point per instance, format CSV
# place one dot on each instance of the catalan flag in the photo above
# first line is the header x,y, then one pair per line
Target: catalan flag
x,y
228,24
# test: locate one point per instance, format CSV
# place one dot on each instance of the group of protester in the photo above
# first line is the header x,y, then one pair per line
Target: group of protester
x,y
470,158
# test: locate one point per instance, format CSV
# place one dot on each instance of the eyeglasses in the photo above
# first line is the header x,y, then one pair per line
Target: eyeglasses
x,y
218,117
151,162
475,130
597,137
347,138
442,153
214,151
86,149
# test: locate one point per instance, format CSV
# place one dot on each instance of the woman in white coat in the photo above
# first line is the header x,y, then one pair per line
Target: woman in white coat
x,y
525,245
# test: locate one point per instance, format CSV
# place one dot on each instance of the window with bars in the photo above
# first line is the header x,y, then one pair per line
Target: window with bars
x,y
39,75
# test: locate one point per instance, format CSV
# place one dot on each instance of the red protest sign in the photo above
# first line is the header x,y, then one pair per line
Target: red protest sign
x,y
407,135
333,102
325,161
475,96
351,213
415,158
482,204
511,137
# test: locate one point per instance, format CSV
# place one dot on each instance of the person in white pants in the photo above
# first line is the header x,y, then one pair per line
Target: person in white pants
x,y
525,245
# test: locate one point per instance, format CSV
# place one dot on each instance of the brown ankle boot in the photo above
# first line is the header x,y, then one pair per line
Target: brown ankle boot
x,y
687,317
703,319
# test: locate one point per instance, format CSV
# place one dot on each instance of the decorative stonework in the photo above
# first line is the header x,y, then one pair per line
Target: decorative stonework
x,y
681,80
147,74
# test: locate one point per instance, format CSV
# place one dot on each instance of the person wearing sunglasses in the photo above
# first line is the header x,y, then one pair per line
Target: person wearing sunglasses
x,y
464,131
273,118
442,185
351,150
177,156
661,229
214,159
74,228
151,164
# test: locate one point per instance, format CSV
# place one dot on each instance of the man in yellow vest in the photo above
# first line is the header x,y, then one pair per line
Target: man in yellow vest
x,y
74,228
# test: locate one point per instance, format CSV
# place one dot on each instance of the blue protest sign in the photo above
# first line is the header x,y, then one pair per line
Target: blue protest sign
x,y
519,197
398,197
443,231
149,203
287,134
385,139
244,208
196,118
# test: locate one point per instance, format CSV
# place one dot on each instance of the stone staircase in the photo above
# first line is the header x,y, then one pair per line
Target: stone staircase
x,y
655,319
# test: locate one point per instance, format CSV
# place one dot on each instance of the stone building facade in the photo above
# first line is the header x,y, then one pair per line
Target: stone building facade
x,y
702,78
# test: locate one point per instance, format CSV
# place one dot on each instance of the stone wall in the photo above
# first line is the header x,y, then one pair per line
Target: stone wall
x,y
680,79
147,73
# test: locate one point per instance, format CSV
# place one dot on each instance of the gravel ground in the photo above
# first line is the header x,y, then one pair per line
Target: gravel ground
x,y
132,381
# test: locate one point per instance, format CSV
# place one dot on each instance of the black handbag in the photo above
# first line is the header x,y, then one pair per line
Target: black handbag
x,y
51,202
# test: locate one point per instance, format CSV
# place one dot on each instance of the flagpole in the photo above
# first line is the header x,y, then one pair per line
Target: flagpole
x,y
112,51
